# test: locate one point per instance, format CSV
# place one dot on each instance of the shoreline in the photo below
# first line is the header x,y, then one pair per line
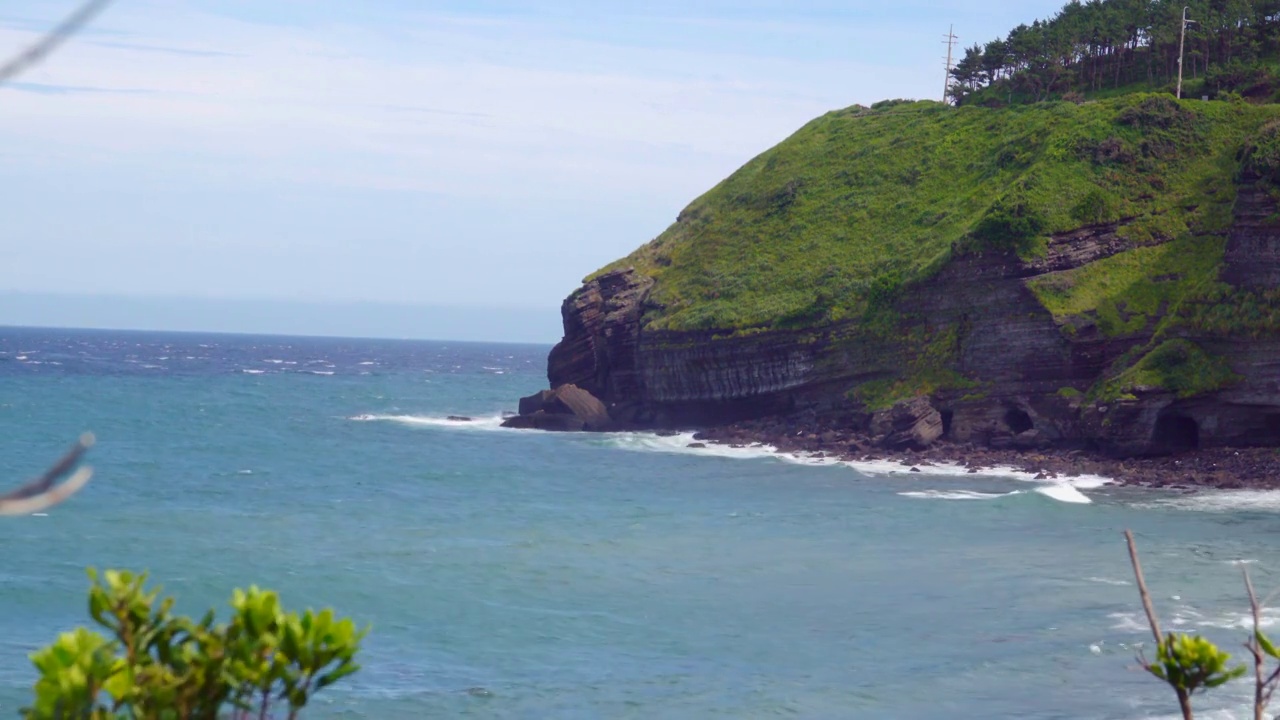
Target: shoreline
x,y
1202,469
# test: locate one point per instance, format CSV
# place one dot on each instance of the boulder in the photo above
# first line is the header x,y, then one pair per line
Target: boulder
x,y
535,402
912,424
567,408
573,400
542,420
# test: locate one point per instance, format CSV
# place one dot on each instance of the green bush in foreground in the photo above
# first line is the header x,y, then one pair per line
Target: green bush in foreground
x,y
155,664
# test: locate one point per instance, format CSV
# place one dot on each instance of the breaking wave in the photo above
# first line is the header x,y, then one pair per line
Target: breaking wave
x,y
493,422
1067,490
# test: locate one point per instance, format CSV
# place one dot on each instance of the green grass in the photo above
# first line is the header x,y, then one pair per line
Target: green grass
x,y
1126,293
1177,366
842,218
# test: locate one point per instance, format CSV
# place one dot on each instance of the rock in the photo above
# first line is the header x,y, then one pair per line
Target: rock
x,y
697,446
914,469
1030,439
535,402
912,424
541,420
460,418
566,408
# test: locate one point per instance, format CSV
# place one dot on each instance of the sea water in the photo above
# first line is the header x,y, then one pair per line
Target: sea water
x,y
519,574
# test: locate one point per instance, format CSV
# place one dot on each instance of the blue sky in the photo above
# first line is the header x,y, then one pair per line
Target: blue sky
x,y
473,158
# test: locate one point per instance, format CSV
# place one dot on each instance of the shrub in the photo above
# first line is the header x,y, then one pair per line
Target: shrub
x,y
1260,156
1009,225
154,664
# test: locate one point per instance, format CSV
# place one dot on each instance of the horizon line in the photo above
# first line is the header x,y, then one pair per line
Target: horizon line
x,y
151,331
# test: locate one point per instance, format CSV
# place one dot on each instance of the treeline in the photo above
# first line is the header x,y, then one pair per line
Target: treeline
x,y
1094,46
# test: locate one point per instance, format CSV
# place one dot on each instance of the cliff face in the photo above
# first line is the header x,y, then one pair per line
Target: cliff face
x,y
1114,288
1025,379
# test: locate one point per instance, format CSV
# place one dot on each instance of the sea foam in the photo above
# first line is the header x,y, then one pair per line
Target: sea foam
x,y
493,422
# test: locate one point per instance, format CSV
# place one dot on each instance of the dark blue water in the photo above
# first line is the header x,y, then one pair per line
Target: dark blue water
x,y
586,576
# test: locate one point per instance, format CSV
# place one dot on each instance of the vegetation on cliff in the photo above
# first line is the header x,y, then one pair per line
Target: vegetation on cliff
x,y
1113,204
859,204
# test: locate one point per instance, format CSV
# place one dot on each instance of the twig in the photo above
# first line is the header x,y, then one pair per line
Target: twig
x,y
40,493
1142,588
51,40
1254,647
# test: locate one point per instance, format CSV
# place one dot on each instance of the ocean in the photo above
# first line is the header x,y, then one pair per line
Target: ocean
x,y
518,574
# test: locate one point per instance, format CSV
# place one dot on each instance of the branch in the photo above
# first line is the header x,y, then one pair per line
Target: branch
x,y
1142,589
1254,647
40,493
51,40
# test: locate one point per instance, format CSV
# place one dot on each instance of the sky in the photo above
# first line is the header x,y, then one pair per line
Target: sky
x,y
333,167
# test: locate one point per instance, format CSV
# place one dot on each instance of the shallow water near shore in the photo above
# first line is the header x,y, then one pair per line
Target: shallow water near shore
x,y
518,574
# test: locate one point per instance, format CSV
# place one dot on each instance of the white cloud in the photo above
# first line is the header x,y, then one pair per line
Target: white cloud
x,y
510,155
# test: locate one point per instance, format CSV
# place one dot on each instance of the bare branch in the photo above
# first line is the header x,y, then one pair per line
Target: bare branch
x,y
1142,589
1255,647
51,40
40,493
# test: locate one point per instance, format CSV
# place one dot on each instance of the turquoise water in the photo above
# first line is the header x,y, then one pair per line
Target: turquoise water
x,y
587,576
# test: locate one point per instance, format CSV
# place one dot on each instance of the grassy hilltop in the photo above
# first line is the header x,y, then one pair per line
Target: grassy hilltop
x,y
861,203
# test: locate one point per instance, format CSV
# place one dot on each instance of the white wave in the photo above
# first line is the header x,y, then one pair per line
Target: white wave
x,y
1108,581
253,372
1063,489
1224,501
956,495
317,372
680,443
273,361
493,422
1239,620
1063,492
368,362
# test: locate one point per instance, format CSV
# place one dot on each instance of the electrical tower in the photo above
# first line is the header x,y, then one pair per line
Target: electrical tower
x,y
950,40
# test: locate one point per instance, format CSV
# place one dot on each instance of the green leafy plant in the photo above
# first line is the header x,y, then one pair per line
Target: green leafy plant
x,y
1190,663
153,663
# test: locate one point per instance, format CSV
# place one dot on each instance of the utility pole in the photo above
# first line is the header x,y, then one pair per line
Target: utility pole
x,y
1182,41
950,39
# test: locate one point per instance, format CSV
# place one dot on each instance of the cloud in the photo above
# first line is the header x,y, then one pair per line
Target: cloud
x,y
325,149
189,52
47,89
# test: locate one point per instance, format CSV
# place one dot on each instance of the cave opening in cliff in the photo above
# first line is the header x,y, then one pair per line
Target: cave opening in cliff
x,y
1017,420
946,423
1175,433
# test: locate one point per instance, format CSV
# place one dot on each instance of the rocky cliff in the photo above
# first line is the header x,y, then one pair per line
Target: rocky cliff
x,y
1145,323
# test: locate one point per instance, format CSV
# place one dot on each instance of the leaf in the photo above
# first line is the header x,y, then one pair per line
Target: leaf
x,y
1265,643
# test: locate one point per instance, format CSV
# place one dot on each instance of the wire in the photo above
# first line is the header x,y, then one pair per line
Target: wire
x,y
50,42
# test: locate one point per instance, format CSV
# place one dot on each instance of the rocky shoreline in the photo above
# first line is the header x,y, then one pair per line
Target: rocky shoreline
x,y
1217,468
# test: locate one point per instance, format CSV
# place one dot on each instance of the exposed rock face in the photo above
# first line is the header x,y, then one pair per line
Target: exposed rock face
x,y
913,424
1253,247
1028,373
567,408
601,335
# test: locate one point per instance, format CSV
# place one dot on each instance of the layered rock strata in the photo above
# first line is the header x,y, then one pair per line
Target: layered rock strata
x,y
1026,379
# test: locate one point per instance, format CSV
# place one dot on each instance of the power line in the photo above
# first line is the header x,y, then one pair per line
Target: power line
x,y
51,40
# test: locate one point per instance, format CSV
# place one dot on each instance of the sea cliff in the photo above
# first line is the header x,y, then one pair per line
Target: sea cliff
x,y
1099,278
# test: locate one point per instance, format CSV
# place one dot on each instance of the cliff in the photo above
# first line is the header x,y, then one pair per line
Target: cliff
x,y
1099,276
